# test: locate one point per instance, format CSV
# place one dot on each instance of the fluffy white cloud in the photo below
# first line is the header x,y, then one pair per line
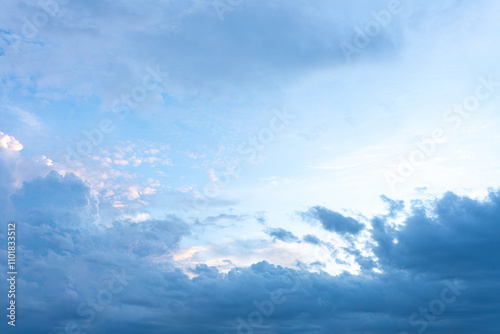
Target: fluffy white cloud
x,y
9,143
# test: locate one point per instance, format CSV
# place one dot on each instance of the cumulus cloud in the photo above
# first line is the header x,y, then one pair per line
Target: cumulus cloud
x,y
311,239
333,221
56,199
456,236
442,255
15,168
9,143
68,252
439,276
66,258
444,248
149,191
394,206
281,234
150,238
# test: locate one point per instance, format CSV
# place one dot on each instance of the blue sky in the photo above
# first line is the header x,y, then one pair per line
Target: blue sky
x,y
341,155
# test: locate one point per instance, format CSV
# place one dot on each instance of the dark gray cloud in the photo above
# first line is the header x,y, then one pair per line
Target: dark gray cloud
x,y
441,276
460,236
333,221
56,200
311,239
282,234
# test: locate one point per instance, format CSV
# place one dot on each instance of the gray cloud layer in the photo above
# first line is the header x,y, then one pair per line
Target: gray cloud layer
x,y
67,265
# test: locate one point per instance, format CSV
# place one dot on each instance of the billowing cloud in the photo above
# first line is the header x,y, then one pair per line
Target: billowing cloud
x,y
281,234
455,238
9,143
148,238
114,243
333,221
56,199
436,273
311,239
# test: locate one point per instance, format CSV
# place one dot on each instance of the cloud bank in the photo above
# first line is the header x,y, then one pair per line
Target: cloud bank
x,y
436,272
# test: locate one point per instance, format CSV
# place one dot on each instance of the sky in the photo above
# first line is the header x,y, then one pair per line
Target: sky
x,y
251,166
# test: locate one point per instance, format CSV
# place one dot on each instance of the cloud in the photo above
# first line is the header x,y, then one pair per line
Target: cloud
x,y
281,234
66,258
311,239
150,238
9,143
56,199
121,162
197,64
263,53
66,263
133,193
394,206
455,237
15,168
32,123
149,191
333,221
